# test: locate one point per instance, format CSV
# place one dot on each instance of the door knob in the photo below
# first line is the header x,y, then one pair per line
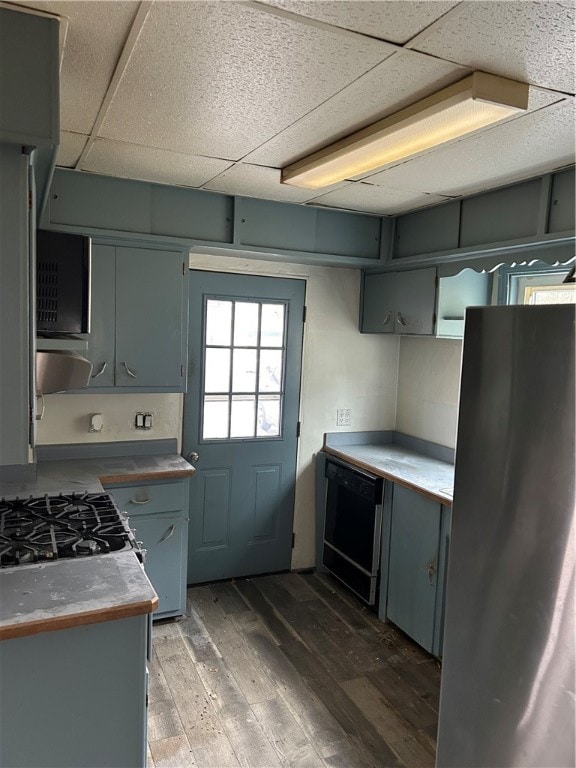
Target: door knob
x,y
192,457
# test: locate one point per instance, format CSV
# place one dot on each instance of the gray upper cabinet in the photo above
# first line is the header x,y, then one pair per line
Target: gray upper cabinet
x,y
29,80
562,204
417,303
427,231
139,318
399,302
455,294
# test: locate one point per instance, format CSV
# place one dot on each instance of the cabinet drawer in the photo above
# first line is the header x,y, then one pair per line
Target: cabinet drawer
x,y
149,498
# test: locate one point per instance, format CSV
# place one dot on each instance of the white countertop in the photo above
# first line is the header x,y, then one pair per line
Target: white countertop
x,y
43,597
430,477
89,475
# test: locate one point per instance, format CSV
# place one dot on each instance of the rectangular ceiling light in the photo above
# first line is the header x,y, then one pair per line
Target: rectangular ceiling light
x,y
473,103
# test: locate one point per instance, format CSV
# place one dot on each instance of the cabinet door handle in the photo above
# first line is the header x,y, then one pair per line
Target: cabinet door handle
x,y
431,570
387,318
140,501
401,320
128,371
168,533
100,372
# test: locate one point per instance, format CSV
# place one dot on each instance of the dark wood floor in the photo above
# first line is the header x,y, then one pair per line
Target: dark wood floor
x,y
288,670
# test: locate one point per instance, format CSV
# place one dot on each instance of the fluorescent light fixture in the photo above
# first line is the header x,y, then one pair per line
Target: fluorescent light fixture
x,y
473,103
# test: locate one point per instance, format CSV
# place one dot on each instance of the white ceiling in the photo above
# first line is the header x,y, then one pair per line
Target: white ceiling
x,y
221,95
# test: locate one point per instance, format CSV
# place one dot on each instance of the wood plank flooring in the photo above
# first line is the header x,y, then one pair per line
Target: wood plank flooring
x,y
288,670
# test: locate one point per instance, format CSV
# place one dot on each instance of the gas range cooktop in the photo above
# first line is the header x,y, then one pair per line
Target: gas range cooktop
x,y
50,528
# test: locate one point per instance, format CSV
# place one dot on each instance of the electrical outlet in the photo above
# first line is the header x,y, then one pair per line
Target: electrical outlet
x,y
96,422
343,417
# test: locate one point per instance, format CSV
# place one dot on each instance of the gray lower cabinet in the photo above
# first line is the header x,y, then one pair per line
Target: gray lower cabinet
x,y
76,697
415,571
416,302
158,512
138,337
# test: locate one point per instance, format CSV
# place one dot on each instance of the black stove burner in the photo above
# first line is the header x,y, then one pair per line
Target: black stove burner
x,y
53,527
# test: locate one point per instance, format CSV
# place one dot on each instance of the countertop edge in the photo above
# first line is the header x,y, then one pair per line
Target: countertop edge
x,y
124,611
440,498
162,474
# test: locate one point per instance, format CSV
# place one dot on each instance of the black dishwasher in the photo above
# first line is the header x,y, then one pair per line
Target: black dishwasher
x,y
352,527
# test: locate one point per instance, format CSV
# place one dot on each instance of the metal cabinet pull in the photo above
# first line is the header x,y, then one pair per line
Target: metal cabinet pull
x,y
40,416
387,318
168,533
140,501
128,371
193,457
431,570
401,320
100,372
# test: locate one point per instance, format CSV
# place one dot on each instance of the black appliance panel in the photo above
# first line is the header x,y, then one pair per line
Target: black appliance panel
x,y
352,527
62,283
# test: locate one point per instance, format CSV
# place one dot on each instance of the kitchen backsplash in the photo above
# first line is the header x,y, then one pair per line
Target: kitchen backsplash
x,y
67,418
428,387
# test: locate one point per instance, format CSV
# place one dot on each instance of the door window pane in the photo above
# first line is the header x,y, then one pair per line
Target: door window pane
x,y
268,416
270,379
246,324
218,322
217,370
244,358
244,370
272,333
242,420
215,417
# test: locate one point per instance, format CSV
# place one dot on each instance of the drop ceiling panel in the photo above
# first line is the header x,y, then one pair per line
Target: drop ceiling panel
x,y
395,20
528,41
218,79
132,161
70,149
94,40
257,181
518,149
358,196
399,81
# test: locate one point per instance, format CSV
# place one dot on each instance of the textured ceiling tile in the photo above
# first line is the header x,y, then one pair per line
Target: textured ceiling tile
x,y
150,164
70,149
399,81
95,37
218,79
256,181
380,200
530,145
394,20
528,41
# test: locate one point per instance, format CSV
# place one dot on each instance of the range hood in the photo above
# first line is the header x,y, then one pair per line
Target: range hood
x,y
61,371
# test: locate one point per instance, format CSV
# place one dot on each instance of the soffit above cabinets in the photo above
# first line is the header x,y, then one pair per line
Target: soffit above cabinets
x,y
220,95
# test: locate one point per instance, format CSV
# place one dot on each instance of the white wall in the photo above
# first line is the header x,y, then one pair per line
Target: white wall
x,y
428,387
341,368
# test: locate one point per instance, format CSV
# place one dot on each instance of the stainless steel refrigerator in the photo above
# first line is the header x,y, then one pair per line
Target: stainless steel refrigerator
x,y
507,692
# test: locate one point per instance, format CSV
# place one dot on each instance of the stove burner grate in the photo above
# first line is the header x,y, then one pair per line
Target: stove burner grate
x,y
53,527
